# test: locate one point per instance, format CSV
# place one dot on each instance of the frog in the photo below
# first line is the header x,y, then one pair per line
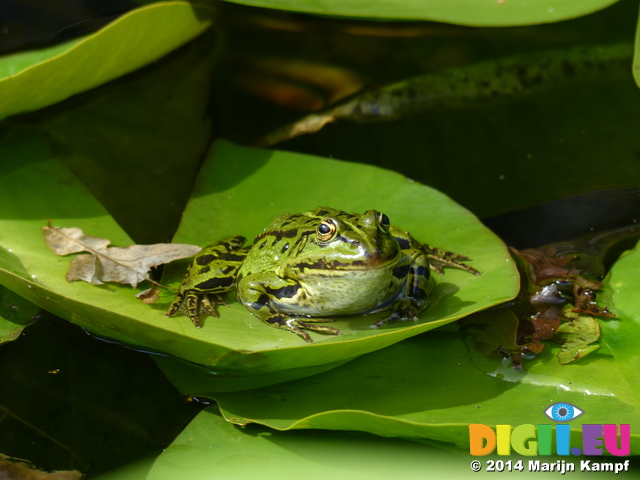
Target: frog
x,y
306,268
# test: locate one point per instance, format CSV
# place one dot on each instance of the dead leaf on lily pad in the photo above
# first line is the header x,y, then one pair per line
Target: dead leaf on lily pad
x,y
127,265
150,295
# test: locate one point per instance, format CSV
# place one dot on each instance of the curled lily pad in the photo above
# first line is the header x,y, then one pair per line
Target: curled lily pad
x,y
16,313
431,387
211,447
36,79
238,192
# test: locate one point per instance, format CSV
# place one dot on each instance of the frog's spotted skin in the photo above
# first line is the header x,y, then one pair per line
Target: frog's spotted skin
x,y
306,267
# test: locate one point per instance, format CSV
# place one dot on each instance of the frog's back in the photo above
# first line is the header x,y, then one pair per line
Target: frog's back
x,y
285,237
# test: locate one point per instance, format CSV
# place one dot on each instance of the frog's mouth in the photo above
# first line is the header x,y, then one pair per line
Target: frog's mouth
x,y
370,263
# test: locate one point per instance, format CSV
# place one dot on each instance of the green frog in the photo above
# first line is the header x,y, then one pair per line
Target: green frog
x,y
306,267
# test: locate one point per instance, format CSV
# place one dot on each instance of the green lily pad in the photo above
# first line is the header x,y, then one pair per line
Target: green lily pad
x,y
447,387
621,335
462,12
36,79
237,192
211,447
453,381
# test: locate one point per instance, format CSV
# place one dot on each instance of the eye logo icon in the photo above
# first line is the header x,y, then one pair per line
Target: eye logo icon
x,y
563,412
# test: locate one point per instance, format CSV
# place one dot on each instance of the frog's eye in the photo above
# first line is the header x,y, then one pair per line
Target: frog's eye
x,y
383,220
325,230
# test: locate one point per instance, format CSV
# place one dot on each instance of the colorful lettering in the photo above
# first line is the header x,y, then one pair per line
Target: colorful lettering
x,y
523,440
592,439
504,439
563,439
610,443
544,439
478,435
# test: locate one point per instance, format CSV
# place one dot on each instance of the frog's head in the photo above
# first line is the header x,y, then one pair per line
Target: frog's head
x,y
346,241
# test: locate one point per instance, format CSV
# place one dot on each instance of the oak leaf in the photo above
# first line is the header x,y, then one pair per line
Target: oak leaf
x,y
127,265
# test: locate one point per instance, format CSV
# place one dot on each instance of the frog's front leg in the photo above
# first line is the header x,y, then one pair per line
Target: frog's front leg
x,y
266,296
415,296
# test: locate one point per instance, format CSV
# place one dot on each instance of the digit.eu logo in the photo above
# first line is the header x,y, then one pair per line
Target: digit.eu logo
x,y
530,440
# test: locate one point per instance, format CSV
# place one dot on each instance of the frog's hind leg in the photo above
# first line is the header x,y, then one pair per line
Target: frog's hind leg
x,y
438,259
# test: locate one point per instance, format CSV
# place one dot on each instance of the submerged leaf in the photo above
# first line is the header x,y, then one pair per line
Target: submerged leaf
x,y
14,468
128,265
577,335
585,300
470,85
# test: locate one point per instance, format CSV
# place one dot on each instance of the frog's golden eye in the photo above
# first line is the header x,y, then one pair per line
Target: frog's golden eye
x,y
383,220
326,229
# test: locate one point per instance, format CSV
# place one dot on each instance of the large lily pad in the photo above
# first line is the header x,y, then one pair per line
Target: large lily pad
x,y
239,191
454,381
36,79
447,387
462,12
211,447
621,335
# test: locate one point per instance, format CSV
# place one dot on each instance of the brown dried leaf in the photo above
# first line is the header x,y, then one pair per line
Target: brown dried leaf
x,y
585,302
547,263
150,295
545,324
128,265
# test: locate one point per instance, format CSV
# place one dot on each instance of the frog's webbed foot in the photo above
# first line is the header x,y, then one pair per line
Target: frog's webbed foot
x,y
176,304
207,305
196,305
298,326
